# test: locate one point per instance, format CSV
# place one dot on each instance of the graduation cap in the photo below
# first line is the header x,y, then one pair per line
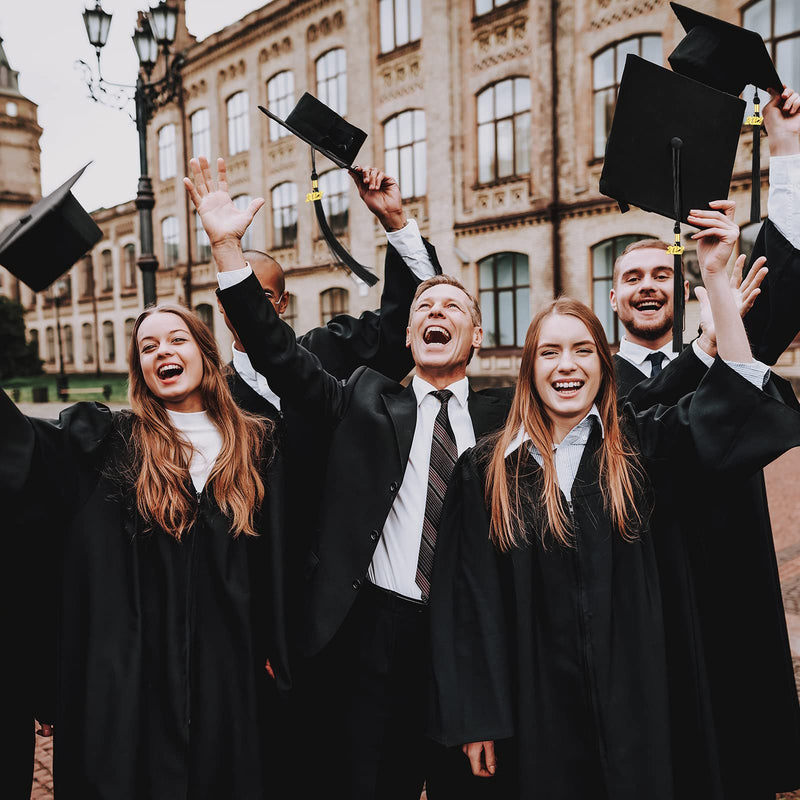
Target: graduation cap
x,y
671,148
326,132
727,57
48,238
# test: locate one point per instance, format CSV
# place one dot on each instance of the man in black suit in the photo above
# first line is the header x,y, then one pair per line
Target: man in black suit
x,y
365,612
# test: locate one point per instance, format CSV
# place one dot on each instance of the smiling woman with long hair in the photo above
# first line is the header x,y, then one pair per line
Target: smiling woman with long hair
x,y
170,590
563,619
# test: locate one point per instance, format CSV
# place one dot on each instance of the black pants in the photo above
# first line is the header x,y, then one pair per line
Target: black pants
x,y
364,713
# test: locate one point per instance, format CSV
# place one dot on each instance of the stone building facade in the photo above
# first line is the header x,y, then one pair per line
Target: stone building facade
x,y
492,113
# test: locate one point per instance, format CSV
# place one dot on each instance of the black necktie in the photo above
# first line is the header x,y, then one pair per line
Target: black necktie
x,y
657,360
444,454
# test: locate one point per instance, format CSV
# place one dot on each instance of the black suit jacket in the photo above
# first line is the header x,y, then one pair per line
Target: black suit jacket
x,y
371,420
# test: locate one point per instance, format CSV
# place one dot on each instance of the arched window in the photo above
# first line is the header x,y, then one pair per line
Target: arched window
x,y
200,125
88,343
50,345
332,80
201,240
484,6
129,259
107,261
604,255
280,101
129,323
169,233
87,277
404,156
206,315
290,315
284,215
505,299
69,345
334,186
401,23
504,130
607,68
167,152
778,22
35,341
332,302
109,350
242,201
238,123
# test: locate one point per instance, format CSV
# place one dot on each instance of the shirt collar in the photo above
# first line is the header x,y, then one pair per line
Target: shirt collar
x,y
578,435
637,353
241,363
460,390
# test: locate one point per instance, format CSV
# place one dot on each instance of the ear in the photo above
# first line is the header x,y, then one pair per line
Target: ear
x,y
219,307
612,296
685,291
477,336
283,303
408,337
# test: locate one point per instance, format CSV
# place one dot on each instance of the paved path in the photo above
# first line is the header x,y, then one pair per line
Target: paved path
x,y
784,499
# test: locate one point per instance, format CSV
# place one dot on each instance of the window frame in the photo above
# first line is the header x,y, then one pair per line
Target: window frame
x,y
339,105
279,240
334,293
496,291
202,136
238,122
413,26
167,152
171,257
280,105
418,152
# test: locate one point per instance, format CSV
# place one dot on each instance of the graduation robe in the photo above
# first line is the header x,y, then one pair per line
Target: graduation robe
x,y
162,643
589,662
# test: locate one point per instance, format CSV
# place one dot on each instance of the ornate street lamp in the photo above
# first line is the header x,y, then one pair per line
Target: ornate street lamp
x,y
157,28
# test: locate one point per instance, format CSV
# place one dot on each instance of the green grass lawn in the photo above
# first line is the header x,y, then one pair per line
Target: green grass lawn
x,y
117,382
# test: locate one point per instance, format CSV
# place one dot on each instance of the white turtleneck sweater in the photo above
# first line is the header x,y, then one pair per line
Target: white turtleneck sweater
x,y
206,440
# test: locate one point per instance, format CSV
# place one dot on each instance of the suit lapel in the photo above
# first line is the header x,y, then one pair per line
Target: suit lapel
x,y
488,412
627,375
248,399
402,408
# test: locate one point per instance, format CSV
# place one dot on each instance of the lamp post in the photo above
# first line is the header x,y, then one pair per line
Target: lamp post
x,y
155,32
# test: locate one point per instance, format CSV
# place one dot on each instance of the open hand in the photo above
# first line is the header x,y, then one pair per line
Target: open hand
x,y
223,222
381,195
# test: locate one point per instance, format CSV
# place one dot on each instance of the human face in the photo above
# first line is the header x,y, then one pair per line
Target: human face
x,y
171,362
566,371
441,334
643,296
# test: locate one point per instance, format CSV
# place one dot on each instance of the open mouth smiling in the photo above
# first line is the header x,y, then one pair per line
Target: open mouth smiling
x,y
649,304
167,371
436,334
568,388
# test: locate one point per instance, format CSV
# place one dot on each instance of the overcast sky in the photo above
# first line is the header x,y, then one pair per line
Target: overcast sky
x,y
43,39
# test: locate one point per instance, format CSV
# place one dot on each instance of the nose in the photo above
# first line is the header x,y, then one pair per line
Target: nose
x,y
165,350
436,310
566,361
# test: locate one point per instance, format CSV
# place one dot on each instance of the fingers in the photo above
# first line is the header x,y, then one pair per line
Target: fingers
x,y
45,730
748,300
727,207
791,102
721,233
371,178
193,194
489,757
222,175
736,272
255,205
701,294
754,278
481,756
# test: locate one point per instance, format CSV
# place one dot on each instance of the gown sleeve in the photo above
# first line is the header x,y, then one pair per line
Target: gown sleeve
x,y
680,377
471,694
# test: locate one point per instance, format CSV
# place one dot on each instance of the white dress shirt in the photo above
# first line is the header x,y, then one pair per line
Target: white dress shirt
x,y
206,441
408,243
784,196
394,564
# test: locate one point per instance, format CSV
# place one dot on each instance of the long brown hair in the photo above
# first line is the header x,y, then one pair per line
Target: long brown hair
x,y
619,469
161,455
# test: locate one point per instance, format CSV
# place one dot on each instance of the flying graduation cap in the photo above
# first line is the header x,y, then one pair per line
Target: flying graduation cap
x,y
671,148
727,57
328,133
42,244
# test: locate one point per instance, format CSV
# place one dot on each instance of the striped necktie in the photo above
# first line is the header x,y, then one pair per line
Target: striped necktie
x,y
444,454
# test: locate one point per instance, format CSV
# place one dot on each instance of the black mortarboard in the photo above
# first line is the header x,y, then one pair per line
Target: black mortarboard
x,y
48,238
671,148
727,57
328,133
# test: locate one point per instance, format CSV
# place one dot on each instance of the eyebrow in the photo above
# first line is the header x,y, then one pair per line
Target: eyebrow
x,y
177,330
574,344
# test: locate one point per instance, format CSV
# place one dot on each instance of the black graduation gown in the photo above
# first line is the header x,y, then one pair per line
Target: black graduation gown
x,y
590,662
162,643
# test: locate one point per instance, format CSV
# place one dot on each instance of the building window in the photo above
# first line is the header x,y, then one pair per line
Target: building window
x,y
35,341
201,240
200,125
87,276
280,101
335,199
242,201
484,6
404,155
401,23
504,125
504,298
238,127
50,345
109,351
88,343
332,302
607,68
69,345
169,233
206,315
108,270
778,23
167,153
129,259
290,315
284,215
332,80
603,257
129,323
